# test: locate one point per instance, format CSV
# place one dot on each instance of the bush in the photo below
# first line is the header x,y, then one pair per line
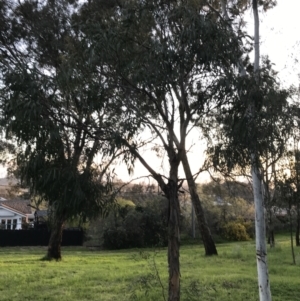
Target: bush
x,y
135,227
235,231
114,238
250,228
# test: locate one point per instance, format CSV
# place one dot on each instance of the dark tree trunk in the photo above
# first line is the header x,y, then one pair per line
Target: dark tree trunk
x,y
209,244
171,192
298,228
291,232
54,246
271,237
292,242
173,242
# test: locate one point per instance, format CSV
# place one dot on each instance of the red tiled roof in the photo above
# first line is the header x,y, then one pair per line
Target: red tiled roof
x,y
18,205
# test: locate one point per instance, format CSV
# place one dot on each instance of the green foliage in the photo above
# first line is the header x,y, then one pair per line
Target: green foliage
x,y
52,98
257,119
116,238
124,202
235,231
130,227
225,202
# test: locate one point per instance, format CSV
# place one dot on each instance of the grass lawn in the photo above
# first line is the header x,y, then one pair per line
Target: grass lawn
x,y
131,275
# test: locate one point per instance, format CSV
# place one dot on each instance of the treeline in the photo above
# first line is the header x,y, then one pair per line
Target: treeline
x,y
140,219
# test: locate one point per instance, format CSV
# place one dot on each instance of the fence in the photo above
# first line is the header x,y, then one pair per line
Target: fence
x,y
38,237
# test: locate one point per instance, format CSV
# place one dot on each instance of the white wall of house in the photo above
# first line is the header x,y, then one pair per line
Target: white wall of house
x,y
10,220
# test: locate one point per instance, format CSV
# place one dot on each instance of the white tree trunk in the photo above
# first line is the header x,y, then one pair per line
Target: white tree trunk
x,y
260,232
256,38
260,235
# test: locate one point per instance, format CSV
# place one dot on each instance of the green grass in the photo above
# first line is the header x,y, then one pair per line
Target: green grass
x,y
131,275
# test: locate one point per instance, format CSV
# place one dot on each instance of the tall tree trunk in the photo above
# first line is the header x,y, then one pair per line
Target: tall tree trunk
x,y
291,232
171,191
298,227
54,246
268,202
260,235
271,237
209,244
297,165
173,242
261,249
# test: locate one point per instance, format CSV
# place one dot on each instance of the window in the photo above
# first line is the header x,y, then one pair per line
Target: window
x,y
8,226
15,222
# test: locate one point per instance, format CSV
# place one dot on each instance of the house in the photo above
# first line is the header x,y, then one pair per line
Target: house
x,y
14,213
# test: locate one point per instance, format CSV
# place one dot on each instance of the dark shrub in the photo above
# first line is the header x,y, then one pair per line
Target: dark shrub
x,y
114,238
136,227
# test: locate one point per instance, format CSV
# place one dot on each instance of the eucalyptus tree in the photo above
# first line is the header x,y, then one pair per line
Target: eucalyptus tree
x,y
52,97
171,62
247,128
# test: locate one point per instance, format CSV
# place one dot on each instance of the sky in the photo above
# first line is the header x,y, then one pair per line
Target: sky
x,y
280,40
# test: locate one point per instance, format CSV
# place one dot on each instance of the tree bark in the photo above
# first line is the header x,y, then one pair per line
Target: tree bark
x,y
297,165
260,235
271,236
173,242
298,226
171,191
291,232
260,227
209,244
54,246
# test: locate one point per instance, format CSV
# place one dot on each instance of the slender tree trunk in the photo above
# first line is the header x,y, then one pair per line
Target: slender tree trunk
x,y
291,232
292,244
298,228
260,232
171,191
54,246
173,243
271,237
260,236
297,196
209,244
